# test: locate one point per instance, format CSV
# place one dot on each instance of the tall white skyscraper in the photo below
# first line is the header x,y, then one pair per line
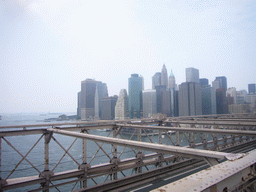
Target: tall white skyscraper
x,y
171,81
192,75
121,108
149,103
156,80
190,99
216,84
164,77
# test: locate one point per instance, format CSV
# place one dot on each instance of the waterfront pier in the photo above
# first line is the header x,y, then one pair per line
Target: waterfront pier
x,y
200,153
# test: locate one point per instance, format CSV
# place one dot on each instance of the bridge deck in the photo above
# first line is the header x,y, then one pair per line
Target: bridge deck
x,y
226,176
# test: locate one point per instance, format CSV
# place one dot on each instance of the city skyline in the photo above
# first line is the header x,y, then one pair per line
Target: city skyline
x,y
47,49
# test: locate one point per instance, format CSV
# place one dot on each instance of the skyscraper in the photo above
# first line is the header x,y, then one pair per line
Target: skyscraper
x,y
190,99
192,75
220,83
204,82
164,76
241,97
108,107
251,99
221,101
176,103
166,102
208,100
79,104
216,84
86,107
232,93
159,98
149,103
172,87
101,92
135,85
156,80
173,107
223,82
121,108
172,83
251,88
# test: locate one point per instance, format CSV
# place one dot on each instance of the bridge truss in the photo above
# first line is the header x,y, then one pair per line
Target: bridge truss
x,y
125,155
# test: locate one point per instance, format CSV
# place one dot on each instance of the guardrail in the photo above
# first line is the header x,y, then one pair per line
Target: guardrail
x,y
95,157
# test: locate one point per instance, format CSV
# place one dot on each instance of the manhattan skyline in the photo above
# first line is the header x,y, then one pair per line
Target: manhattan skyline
x,y
48,48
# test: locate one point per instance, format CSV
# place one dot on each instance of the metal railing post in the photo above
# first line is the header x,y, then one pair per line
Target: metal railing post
x,y
160,157
177,136
2,181
46,173
114,159
139,154
84,166
241,139
46,152
225,141
205,142
160,138
0,160
215,139
0,157
191,139
215,142
233,137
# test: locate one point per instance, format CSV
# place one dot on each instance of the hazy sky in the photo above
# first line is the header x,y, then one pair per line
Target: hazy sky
x,y
48,47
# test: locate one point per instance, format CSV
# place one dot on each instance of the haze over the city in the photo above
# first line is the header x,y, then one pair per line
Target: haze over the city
x,y
48,47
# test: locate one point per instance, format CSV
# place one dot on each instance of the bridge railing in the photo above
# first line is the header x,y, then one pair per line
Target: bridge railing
x,y
93,156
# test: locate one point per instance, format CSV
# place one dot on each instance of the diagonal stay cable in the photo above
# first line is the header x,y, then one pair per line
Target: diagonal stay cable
x,y
100,148
187,137
65,150
126,147
94,181
55,187
93,157
166,133
150,138
170,138
182,139
103,150
123,173
23,157
107,178
202,136
74,186
196,136
118,130
64,154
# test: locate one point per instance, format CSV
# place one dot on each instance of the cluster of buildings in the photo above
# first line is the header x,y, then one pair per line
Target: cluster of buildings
x,y
193,97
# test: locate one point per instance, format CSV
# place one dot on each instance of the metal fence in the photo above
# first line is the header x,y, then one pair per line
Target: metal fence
x,y
102,154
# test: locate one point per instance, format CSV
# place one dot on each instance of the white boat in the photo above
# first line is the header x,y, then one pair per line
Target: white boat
x,y
171,132
104,130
